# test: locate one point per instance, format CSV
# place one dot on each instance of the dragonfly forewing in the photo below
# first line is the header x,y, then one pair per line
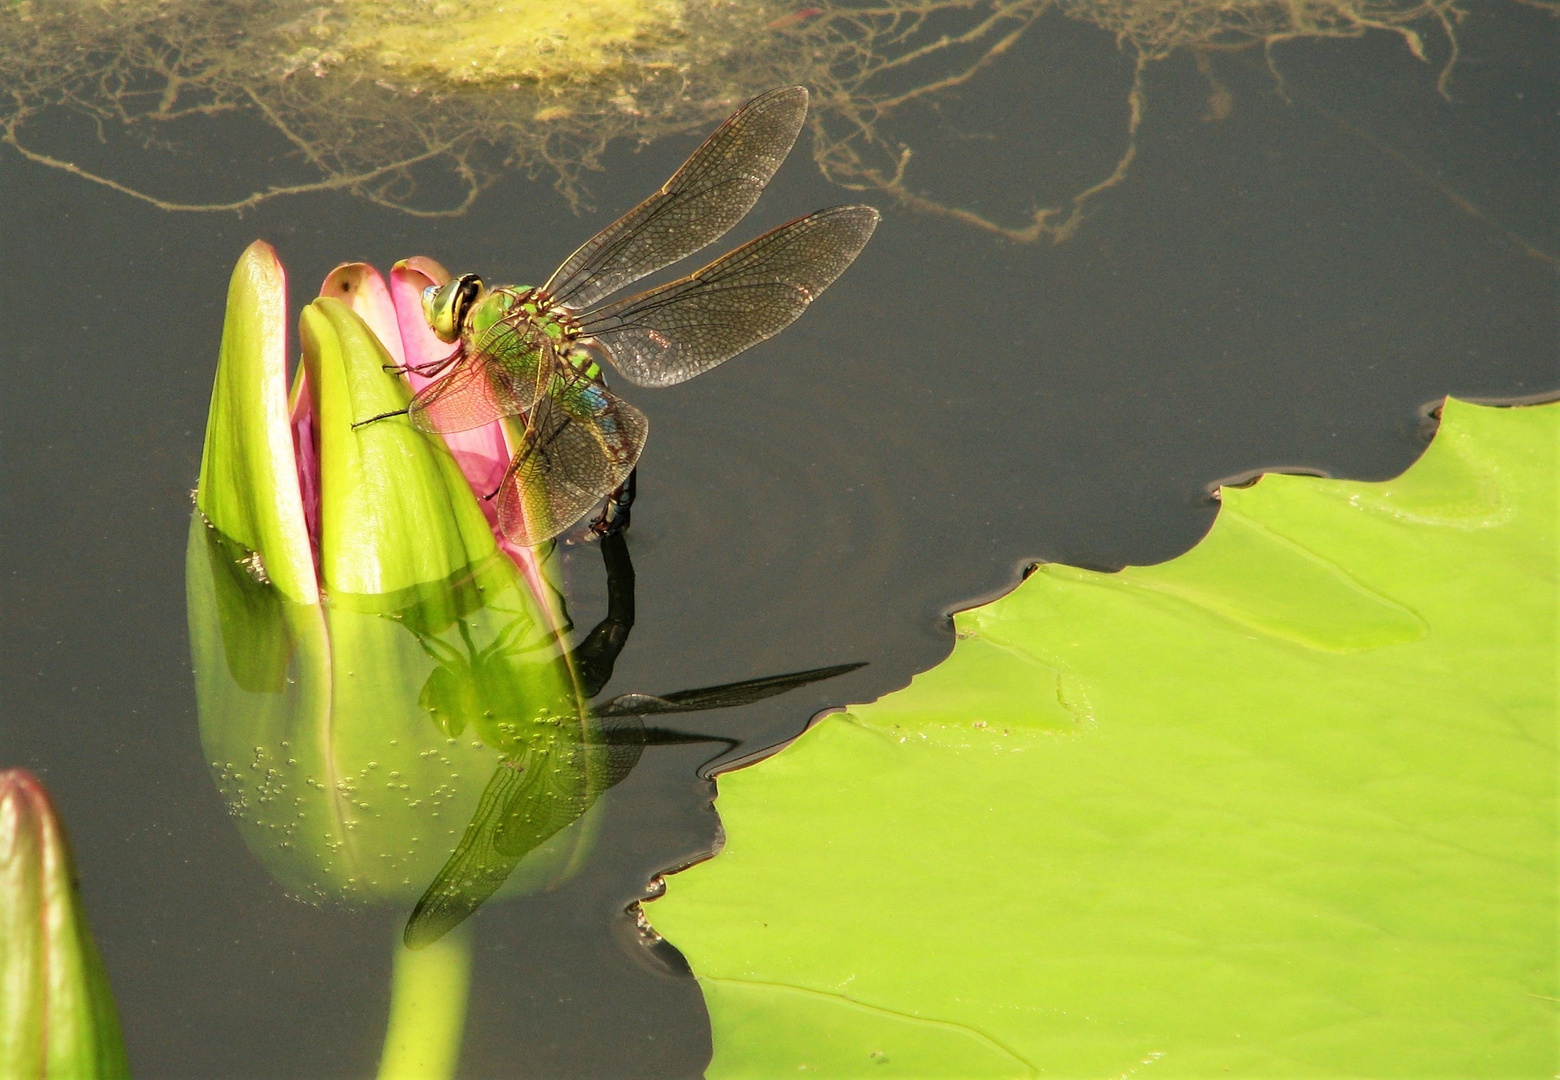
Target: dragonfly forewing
x,y
714,189
581,442
684,328
506,370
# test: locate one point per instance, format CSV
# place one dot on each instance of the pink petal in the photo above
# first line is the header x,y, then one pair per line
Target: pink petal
x,y
362,289
483,454
305,433
408,278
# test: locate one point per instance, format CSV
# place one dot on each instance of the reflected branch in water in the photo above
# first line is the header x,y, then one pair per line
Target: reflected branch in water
x,y
421,108
1502,232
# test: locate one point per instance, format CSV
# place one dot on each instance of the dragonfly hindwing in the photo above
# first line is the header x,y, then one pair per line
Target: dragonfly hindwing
x,y
682,329
580,443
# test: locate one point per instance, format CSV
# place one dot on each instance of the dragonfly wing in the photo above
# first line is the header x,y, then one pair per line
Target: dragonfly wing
x,y
477,867
529,799
562,796
713,190
580,443
618,742
670,334
508,368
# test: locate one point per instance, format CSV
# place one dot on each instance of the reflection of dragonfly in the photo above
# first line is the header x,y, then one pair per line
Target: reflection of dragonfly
x,y
532,353
551,778
456,689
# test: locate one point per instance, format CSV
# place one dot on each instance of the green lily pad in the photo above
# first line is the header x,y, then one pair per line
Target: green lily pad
x,y
1283,806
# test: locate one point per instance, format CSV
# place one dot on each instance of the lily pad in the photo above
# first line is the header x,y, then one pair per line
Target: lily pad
x,y
1283,806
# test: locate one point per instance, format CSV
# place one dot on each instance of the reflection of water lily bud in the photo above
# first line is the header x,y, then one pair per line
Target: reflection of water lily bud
x,y
367,655
57,1015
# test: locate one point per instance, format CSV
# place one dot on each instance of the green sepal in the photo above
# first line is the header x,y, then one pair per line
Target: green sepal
x,y
248,472
57,1016
329,727
395,510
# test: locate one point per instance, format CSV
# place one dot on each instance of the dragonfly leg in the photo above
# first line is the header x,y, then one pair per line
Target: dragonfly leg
x,y
595,656
613,518
430,369
381,416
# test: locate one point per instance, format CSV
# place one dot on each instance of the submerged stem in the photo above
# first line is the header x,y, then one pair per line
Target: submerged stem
x,y
427,1008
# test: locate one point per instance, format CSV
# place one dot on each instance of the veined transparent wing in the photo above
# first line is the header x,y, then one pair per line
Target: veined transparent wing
x,y
530,799
581,442
509,367
477,867
672,333
713,190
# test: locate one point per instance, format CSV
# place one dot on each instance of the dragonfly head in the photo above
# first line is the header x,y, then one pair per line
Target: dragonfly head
x,y
445,306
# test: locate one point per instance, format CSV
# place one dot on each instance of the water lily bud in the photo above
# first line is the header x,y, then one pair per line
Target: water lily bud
x,y
358,734
57,1017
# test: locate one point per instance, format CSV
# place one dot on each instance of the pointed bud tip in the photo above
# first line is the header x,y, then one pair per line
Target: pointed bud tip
x,y
259,282
24,809
249,481
18,780
56,1006
23,788
423,266
260,259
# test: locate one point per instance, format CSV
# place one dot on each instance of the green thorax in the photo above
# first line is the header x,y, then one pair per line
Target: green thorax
x,y
523,307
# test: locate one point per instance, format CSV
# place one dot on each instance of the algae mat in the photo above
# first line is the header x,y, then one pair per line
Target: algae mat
x,y
1283,806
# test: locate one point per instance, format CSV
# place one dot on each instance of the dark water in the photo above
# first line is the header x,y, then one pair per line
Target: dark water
x,y
1287,287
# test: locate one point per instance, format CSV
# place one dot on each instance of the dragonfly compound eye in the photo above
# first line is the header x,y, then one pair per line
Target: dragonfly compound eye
x,y
445,306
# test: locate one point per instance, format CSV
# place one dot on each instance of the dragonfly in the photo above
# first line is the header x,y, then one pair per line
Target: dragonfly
x,y
534,353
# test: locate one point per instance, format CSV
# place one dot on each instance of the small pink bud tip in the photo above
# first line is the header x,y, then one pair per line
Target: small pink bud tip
x,y
27,819
57,1014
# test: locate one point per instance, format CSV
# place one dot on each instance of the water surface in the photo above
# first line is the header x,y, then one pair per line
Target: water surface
x,y
1289,287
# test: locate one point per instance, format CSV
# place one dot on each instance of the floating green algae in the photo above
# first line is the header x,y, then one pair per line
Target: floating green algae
x,y
486,44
